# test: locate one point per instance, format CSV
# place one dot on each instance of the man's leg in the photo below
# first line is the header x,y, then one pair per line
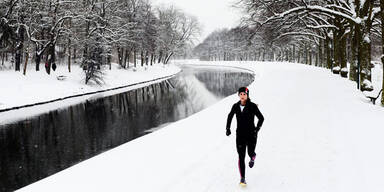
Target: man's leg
x,y
240,146
251,144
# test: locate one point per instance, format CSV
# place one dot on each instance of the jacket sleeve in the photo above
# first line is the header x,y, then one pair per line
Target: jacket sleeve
x,y
259,116
230,116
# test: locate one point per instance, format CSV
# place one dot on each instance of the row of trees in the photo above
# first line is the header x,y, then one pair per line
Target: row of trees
x,y
327,33
93,32
233,44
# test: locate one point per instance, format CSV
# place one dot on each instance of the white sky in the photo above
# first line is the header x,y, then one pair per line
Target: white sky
x,y
212,14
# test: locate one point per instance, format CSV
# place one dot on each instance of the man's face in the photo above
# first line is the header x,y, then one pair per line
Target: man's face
x,y
243,96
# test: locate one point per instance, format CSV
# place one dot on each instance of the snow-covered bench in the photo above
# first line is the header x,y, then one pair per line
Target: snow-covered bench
x,y
373,98
61,77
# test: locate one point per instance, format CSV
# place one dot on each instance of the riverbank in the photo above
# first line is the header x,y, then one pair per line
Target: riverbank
x,y
320,134
39,87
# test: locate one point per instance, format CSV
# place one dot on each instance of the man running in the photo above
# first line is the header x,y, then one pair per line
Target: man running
x,y
246,132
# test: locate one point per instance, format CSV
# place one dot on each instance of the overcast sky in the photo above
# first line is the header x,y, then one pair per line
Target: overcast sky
x,y
212,14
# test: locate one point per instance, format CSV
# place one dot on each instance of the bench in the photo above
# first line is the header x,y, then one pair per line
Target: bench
x,y
61,77
373,99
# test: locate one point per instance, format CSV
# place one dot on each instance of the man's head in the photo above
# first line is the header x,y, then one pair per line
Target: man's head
x,y
243,94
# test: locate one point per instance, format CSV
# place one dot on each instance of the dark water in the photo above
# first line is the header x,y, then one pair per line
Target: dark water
x,y
40,146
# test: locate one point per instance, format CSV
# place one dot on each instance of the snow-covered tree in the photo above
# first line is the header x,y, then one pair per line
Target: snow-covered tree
x,y
331,21
91,31
8,35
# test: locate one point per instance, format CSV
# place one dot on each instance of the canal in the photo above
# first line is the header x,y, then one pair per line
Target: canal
x,y
38,146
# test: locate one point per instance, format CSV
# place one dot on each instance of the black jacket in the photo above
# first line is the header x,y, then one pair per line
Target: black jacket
x,y
245,119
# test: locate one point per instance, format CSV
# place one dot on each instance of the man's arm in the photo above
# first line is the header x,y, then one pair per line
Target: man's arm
x,y
230,116
260,117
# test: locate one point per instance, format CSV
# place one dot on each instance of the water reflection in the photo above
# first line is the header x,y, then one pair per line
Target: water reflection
x,y
37,147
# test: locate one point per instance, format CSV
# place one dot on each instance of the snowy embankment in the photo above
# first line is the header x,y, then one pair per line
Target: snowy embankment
x,y
19,90
320,134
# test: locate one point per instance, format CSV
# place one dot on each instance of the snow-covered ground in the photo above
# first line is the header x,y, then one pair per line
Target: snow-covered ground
x,y
19,90
320,134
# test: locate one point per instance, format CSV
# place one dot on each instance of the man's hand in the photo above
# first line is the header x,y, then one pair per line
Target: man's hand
x,y
256,131
228,133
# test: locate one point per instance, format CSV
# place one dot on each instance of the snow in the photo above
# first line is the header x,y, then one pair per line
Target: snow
x,y
358,20
367,83
333,12
344,69
337,68
367,39
320,134
39,86
375,11
362,2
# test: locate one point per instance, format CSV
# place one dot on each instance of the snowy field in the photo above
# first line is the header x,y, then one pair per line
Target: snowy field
x,y
320,134
40,87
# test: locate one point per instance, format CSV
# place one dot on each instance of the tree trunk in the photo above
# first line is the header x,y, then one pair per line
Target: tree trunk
x,y
2,58
336,47
364,41
69,49
37,58
19,51
343,58
51,57
129,53
134,58
320,64
369,61
120,56
310,54
126,58
298,54
74,53
324,54
286,52
359,59
382,45
19,47
26,63
364,66
69,55
141,58
294,53
306,54
167,59
263,55
160,56
353,58
328,51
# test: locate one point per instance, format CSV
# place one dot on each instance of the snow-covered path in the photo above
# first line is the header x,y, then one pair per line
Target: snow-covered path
x,y
320,134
